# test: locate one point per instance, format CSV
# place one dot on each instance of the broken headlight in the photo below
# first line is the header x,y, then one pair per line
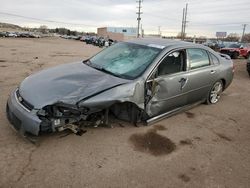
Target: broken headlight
x,y
61,110
59,116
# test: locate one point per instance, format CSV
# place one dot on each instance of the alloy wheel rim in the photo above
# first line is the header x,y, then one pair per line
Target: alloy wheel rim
x,y
215,93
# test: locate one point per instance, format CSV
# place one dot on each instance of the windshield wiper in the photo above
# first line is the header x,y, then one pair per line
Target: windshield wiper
x,y
109,72
95,66
87,62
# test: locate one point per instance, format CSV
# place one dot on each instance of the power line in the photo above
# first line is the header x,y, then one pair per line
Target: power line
x,y
45,20
139,18
159,16
222,24
223,3
193,24
219,11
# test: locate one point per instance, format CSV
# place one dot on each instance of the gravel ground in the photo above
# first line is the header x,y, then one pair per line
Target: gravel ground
x,y
208,146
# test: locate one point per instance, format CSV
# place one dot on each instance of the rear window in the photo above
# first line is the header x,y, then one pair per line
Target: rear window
x,y
214,59
197,58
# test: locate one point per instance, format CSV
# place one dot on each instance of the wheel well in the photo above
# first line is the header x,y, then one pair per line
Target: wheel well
x,y
126,111
224,83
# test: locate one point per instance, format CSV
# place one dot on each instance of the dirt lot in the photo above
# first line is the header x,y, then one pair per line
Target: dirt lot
x,y
207,146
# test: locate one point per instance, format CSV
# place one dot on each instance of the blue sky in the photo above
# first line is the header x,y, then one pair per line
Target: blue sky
x,y
204,17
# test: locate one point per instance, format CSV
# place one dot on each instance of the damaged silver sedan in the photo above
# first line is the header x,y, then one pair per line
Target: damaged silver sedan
x,y
142,80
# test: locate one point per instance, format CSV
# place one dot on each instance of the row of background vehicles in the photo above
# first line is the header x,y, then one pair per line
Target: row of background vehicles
x,y
233,49
20,34
98,41
94,40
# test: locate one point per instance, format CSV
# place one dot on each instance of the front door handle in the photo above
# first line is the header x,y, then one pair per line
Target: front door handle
x,y
212,71
183,82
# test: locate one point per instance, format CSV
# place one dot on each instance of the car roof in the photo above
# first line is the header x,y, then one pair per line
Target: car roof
x,y
161,43
166,43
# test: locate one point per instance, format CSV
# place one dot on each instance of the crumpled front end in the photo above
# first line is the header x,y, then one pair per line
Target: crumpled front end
x,y
51,118
123,101
48,101
93,110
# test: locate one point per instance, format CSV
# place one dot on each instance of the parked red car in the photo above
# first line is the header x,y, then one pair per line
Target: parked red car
x,y
235,50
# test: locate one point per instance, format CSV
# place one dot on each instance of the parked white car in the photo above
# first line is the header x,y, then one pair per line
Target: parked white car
x,y
11,34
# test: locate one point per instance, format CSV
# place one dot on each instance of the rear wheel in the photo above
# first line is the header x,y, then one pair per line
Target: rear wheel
x,y
215,92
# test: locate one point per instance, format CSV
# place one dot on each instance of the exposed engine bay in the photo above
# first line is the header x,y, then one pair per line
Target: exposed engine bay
x,y
60,117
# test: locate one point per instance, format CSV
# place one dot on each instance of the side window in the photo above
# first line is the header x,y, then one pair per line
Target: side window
x,y
173,63
197,58
214,59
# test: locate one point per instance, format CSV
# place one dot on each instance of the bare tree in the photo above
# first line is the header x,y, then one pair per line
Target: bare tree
x,y
233,37
43,29
179,35
246,38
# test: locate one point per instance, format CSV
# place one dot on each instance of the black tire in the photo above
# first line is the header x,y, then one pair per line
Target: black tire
x,y
215,92
8,113
235,55
249,73
247,56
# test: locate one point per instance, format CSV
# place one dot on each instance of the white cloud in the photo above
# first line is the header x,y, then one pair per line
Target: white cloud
x,y
205,18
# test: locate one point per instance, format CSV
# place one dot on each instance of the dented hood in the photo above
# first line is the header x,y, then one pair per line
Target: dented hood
x,y
68,83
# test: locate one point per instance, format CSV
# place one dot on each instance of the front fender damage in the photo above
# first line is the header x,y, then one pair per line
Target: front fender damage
x,y
122,102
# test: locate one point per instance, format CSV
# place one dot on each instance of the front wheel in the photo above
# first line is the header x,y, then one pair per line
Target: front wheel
x,y
215,92
247,56
235,55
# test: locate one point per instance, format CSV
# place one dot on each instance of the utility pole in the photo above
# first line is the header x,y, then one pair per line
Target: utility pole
x,y
139,17
185,21
142,32
182,23
159,31
243,32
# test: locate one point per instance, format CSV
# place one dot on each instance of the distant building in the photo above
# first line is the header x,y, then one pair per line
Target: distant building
x,y
117,33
